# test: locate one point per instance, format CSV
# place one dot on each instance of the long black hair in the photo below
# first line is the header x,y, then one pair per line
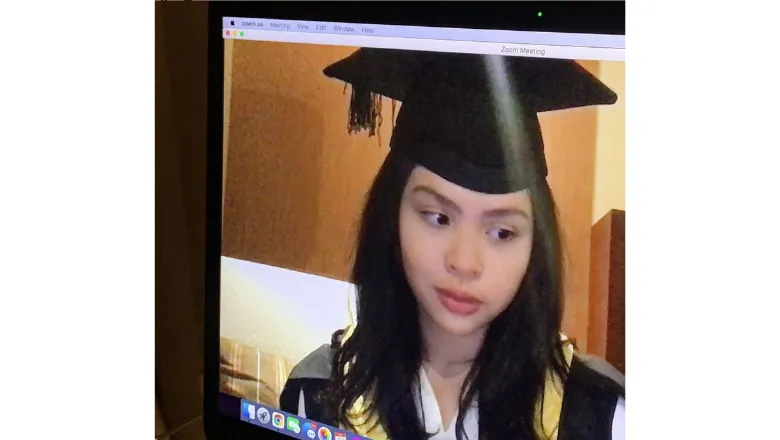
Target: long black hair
x,y
384,353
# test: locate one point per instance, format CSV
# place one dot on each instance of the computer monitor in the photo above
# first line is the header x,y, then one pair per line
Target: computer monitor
x,y
296,142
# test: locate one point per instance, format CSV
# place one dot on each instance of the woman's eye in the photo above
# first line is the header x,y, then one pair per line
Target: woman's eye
x,y
436,219
502,234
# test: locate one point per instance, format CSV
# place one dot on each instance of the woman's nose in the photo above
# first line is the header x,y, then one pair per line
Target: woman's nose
x,y
463,256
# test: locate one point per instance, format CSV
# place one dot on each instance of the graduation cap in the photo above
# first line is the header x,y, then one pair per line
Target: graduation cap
x,y
471,119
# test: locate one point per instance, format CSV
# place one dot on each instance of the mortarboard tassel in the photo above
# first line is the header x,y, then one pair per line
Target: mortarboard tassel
x,y
393,106
379,122
364,111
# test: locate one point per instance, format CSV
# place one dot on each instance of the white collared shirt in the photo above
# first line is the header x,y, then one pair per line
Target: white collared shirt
x,y
428,410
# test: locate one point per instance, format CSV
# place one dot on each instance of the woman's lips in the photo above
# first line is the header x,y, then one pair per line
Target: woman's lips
x,y
458,303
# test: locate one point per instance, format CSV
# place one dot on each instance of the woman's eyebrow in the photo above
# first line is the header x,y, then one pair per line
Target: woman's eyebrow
x,y
439,197
493,213
506,212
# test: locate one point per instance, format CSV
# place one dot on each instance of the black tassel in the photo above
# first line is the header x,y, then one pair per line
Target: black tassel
x,y
364,111
393,105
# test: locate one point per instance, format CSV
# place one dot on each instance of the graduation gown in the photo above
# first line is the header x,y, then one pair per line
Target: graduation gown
x,y
591,406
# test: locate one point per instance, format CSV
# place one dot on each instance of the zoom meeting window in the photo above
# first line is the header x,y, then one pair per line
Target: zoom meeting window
x,y
329,183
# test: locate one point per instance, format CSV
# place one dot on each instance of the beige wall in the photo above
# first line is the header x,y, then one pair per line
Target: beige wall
x,y
609,190
570,148
296,179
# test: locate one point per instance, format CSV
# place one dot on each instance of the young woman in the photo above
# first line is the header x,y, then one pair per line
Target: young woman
x,y
458,264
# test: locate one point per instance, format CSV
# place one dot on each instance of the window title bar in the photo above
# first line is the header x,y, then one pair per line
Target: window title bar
x,y
451,46
437,33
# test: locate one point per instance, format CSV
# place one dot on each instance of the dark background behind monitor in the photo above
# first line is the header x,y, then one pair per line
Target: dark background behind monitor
x,y
180,181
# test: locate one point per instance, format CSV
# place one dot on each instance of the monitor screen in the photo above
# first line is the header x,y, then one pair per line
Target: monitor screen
x,y
302,149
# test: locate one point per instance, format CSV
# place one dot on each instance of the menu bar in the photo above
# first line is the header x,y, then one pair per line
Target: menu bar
x,y
422,32
506,49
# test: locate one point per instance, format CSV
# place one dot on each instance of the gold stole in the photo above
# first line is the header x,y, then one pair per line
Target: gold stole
x,y
367,425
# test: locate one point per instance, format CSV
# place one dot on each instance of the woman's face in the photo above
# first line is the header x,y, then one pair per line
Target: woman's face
x,y
464,253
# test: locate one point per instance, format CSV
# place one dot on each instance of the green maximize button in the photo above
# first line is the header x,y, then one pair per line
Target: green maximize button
x,y
242,33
